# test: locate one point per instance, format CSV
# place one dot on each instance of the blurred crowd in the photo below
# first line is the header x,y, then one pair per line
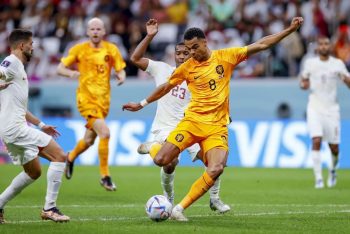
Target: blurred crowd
x,y
58,24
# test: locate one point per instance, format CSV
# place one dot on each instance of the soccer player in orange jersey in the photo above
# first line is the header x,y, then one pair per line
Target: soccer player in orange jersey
x,y
207,74
95,59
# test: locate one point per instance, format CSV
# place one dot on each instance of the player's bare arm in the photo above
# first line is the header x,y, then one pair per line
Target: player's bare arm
x,y
269,41
346,80
64,71
121,76
137,57
5,85
158,93
48,129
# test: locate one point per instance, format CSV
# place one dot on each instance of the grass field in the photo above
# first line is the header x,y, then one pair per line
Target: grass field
x,y
263,201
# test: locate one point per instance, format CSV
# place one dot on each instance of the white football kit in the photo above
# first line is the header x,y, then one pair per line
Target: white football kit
x,y
323,112
22,141
171,107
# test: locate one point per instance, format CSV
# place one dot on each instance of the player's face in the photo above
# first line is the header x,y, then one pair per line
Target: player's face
x,y
324,46
27,49
181,54
198,48
95,31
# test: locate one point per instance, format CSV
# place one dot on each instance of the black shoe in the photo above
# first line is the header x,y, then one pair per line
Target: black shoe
x,y
2,219
69,169
107,183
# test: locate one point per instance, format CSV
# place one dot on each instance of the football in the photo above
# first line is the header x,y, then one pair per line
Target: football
x,y
158,208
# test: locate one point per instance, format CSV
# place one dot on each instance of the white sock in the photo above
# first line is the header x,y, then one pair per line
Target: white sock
x,y
179,208
215,189
54,179
334,162
21,181
316,158
167,182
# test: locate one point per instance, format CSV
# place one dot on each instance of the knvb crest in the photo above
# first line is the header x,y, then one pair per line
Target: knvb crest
x,y
179,137
220,71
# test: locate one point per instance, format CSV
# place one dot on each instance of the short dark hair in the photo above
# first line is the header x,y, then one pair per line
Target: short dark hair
x,y
194,32
19,35
180,43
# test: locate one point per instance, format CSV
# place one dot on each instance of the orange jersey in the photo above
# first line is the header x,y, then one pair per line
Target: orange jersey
x,y
209,84
94,65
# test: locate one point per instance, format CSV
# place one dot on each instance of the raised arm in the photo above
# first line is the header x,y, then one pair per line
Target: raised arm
x,y
159,92
271,40
64,71
137,56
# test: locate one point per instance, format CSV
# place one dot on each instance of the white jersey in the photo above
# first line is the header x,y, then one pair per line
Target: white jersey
x,y
22,141
323,76
13,99
171,107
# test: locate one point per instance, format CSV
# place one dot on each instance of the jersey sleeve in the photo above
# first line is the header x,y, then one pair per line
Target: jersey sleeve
x,y
119,63
234,55
8,68
305,72
71,57
179,75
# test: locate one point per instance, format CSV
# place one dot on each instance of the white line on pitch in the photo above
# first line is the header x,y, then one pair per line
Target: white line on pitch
x,y
191,216
195,205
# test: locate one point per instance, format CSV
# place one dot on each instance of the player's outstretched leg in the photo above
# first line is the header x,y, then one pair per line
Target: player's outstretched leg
x,y
198,189
78,149
167,175
215,202
55,154
316,158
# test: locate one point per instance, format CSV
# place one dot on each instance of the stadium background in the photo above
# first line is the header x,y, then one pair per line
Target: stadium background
x,y
267,107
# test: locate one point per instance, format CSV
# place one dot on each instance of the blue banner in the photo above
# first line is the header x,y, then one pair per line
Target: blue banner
x,y
252,143
280,144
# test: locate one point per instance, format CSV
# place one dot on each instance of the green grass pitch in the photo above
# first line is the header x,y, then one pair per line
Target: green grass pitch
x,y
262,201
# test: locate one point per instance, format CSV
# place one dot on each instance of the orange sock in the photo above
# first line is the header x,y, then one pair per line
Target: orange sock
x,y
198,189
103,156
79,148
155,147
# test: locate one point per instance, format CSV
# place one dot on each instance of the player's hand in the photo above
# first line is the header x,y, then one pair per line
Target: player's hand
x,y
296,23
74,75
50,130
152,27
5,85
120,79
132,106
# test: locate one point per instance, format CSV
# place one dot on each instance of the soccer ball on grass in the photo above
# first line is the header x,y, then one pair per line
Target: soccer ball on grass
x,y
158,208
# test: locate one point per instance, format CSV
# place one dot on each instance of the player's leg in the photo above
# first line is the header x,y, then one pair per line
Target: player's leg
x,y
315,126
167,175
332,136
54,153
82,146
32,171
102,130
317,161
332,176
215,203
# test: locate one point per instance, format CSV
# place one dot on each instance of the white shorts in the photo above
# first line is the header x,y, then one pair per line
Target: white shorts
x,y
325,126
162,136
25,146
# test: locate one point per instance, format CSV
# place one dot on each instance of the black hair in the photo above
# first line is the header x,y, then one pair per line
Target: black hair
x,y
19,35
194,32
180,43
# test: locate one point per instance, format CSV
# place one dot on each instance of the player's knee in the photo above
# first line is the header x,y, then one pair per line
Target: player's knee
x,y
160,160
316,143
170,168
34,174
104,134
89,141
215,171
335,150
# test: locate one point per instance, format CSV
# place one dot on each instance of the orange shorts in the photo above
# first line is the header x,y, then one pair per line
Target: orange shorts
x,y
208,136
